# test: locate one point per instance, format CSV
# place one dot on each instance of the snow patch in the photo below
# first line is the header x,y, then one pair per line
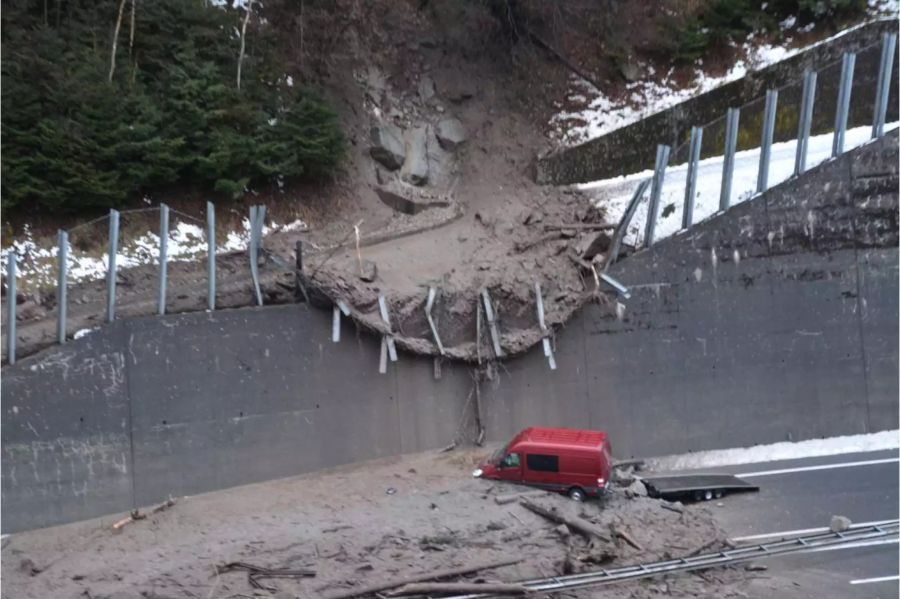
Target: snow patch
x,y
778,451
643,98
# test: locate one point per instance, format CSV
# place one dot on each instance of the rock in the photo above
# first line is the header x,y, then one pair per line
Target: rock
x,y
369,271
29,310
840,523
28,566
450,133
629,69
636,489
426,88
756,567
563,531
387,146
415,165
496,526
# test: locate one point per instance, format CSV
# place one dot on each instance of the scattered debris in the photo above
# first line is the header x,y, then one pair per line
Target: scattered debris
x,y
137,515
504,499
576,524
433,575
254,573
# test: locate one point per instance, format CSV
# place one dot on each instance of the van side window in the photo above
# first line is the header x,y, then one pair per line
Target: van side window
x,y
542,463
510,461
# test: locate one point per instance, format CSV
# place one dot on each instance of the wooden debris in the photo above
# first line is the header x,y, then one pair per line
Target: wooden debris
x,y
504,499
434,575
137,515
580,226
254,573
625,536
579,525
453,588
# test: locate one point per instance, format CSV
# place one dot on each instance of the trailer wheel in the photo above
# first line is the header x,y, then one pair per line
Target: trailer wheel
x,y
576,494
718,493
707,495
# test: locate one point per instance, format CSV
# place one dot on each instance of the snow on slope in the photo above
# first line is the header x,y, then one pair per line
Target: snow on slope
x,y
37,261
605,114
614,194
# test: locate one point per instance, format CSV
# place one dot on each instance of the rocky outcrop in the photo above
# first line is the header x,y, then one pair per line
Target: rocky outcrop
x,y
450,133
387,145
415,166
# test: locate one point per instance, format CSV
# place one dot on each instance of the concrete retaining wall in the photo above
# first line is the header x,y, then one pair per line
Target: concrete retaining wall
x,y
775,321
632,148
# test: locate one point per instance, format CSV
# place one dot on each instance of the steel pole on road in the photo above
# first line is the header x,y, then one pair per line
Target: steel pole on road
x,y
806,111
690,188
888,47
11,305
768,132
211,256
163,255
62,256
111,265
732,121
848,64
659,175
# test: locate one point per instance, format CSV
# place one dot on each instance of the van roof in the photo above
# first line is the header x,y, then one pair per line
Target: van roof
x,y
561,437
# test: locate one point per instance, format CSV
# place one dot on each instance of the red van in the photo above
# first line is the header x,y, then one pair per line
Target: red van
x,y
570,461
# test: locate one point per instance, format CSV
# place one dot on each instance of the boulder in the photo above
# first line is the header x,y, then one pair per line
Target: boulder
x,y
840,523
636,489
387,145
426,88
415,164
450,133
369,271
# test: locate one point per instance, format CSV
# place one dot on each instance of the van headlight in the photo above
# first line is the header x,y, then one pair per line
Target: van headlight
x,y
477,472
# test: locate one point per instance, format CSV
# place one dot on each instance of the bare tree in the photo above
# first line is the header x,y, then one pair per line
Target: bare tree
x,y
115,41
243,44
131,31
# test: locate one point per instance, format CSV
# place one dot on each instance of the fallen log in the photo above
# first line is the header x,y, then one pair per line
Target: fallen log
x,y
455,588
377,588
579,525
504,499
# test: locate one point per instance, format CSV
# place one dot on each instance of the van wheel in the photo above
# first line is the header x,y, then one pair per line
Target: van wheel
x,y
576,494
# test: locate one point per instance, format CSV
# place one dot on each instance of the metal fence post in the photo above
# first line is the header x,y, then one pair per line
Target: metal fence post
x,y
848,63
163,255
806,110
111,265
255,231
11,305
62,255
659,175
623,224
765,148
888,46
542,323
211,256
690,189
732,122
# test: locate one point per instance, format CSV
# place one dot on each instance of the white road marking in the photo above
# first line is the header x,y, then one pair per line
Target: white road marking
x,y
819,467
806,531
871,580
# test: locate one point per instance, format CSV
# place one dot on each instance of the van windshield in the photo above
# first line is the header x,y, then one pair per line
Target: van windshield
x,y
498,455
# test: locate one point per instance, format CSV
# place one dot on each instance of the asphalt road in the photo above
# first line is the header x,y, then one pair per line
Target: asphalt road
x,y
801,499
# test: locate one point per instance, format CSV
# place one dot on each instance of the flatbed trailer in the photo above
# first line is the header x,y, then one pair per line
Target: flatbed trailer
x,y
697,487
